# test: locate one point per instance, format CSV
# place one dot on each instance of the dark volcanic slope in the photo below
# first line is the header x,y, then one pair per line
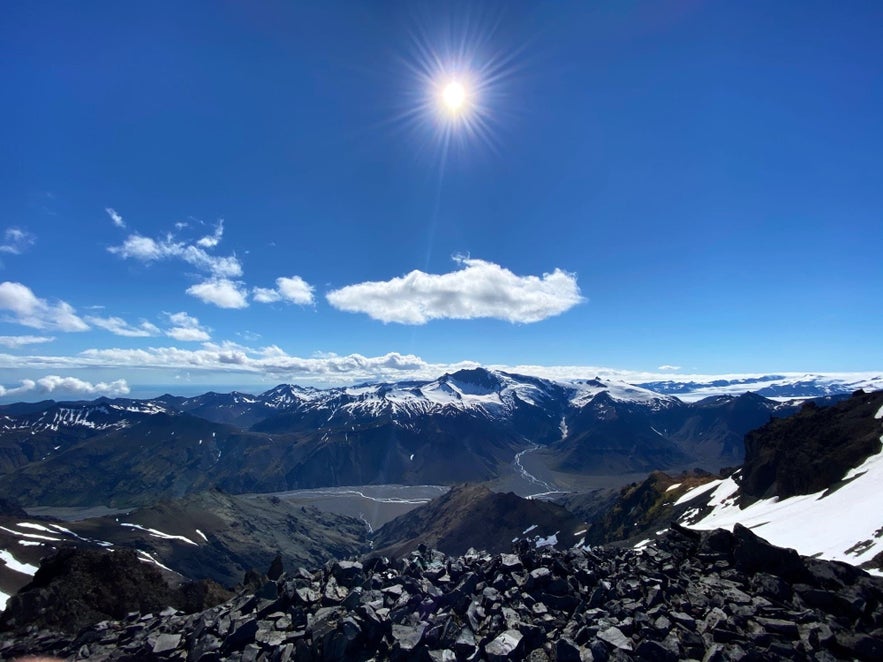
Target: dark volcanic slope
x,y
473,516
715,596
217,536
77,587
638,510
813,449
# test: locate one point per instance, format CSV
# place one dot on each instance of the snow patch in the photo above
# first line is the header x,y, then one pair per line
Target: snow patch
x,y
671,488
17,566
551,541
144,557
159,534
879,413
31,525
529,529
201,535
33,536
697,491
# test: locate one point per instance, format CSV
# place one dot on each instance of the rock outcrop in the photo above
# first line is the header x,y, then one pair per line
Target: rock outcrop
x,y
709,596
474,516
811,450
78,587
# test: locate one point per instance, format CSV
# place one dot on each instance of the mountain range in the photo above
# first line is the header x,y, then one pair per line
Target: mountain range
x,y
464,426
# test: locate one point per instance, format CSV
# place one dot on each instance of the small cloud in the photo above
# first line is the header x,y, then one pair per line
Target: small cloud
x,y
115,217
16,241
212,240
669,367
120,327
186,328
265,295
221,292
294,290
67,385
15,342
29,310
479,289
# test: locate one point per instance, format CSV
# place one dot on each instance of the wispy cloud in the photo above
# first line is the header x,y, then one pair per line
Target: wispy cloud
x,y
22,341
478,289
221,292
293,290
16,241
147,250
115,217
186,328
669,367
67,385
212,240
120,327
27,309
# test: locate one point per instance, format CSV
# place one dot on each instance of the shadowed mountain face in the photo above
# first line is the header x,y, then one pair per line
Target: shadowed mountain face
x,y
813,449
77,587
473,516
465,426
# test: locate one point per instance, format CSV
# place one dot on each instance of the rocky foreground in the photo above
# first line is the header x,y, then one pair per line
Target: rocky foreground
x,y
710,596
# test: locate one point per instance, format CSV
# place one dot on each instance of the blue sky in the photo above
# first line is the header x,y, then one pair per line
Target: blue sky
x,y
239,194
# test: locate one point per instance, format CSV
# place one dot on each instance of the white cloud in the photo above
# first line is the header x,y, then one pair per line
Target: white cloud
x,y
294,289
186,328
212,240
266,295
120,327
222,292
29,310
21,341
145,249
68,385
669,367
479,289
115,217
16,241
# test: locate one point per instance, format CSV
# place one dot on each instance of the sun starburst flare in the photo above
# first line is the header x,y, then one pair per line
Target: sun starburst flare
x,y
460,87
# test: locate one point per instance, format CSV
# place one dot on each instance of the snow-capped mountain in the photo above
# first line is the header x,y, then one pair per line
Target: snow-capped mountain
x,y
464,426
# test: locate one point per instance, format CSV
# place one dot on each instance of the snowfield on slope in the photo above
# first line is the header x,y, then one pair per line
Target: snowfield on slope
x,y
845,524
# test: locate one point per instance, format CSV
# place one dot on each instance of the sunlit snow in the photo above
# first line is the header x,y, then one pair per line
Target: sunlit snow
x,y
846,525
696,491
10,561
159,534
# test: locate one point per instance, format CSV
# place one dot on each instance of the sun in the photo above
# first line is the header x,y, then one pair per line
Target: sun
x,y
454,97
459,86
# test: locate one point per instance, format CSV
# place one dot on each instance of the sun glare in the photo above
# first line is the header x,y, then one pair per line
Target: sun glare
x,y
454,97
460,85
